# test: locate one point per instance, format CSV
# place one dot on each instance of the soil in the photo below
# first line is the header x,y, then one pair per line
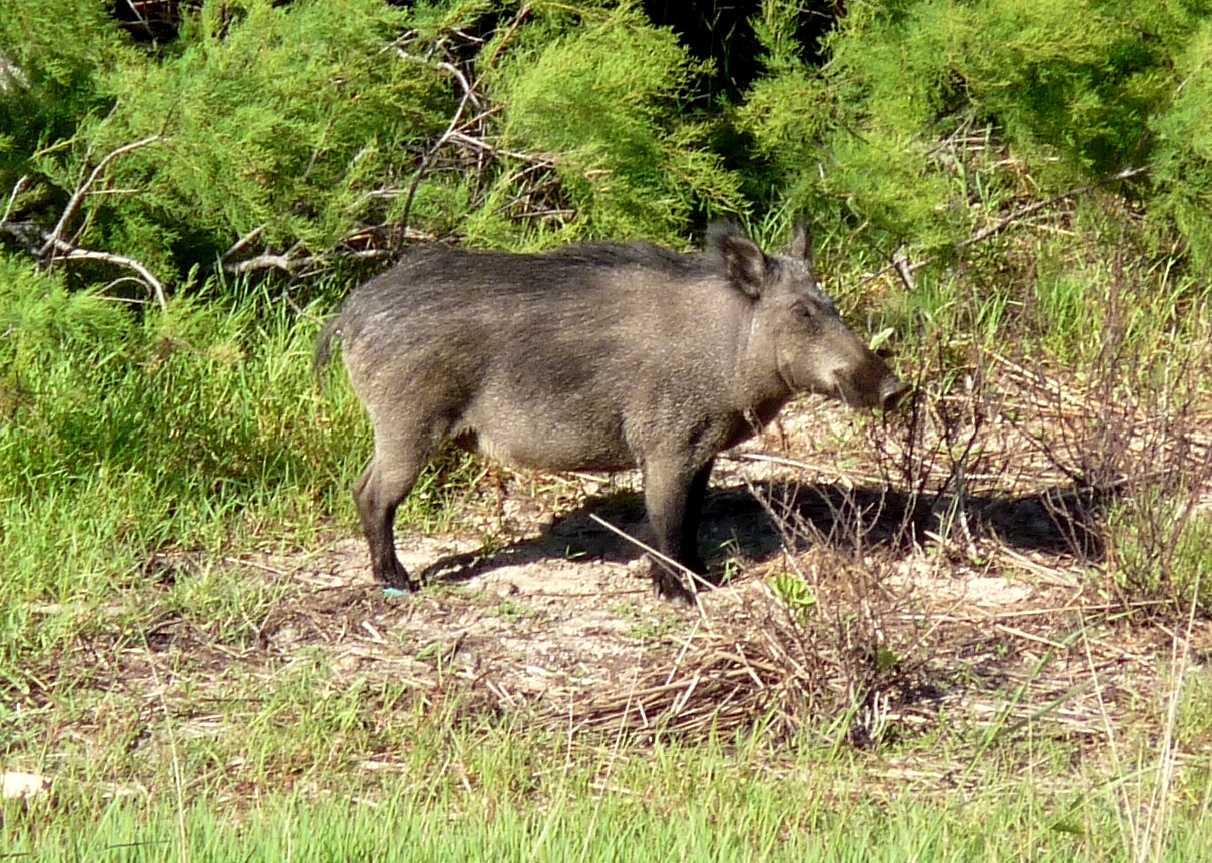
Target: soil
x,y
532,603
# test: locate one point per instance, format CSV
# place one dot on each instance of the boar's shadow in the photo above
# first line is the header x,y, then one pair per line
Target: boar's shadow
x,y
756,522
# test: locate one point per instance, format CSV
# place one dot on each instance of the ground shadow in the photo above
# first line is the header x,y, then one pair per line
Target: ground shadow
x,y
757,522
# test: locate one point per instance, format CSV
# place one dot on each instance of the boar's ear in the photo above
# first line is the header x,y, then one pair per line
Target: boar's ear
x,y
801,243
744,263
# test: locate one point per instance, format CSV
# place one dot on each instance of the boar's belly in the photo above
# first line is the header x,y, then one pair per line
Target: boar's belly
x,y
548,443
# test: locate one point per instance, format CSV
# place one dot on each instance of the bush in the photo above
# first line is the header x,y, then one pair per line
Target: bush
x,y
603,98
880,138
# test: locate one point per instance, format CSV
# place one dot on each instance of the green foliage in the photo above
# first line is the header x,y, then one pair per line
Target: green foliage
x,y
285,119
602,99
121,437
1162,550
1074,91
310,122
53,60
795,595
1183,164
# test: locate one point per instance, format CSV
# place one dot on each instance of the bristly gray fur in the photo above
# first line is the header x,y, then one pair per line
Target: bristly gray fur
x,y
591,357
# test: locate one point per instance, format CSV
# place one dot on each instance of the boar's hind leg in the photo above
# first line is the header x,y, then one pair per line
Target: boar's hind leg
x,y
385,483
669,491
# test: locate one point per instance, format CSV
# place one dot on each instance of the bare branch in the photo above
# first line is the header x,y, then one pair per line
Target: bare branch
x,y
416,180
286,263
901,262
449,68
18,188
545,161
71,253
1018,215
77,198
243,242
517,20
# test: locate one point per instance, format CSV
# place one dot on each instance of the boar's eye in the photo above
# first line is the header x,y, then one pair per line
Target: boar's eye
x,y
804,310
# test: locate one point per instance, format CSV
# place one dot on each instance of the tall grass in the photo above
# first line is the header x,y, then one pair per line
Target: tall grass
x,y
512,796
126,433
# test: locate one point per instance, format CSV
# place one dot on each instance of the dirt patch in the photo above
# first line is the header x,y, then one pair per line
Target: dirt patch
x,y
532,604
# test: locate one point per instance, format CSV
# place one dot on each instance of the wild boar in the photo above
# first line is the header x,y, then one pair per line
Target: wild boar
x,y
601,357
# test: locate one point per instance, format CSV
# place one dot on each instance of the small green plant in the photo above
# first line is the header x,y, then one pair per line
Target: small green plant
x,y
514,611
1161,549
795,594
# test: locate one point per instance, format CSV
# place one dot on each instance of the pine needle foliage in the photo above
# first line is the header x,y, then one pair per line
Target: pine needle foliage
x,y
1182,165
602,93
283,119
54,56
1074,92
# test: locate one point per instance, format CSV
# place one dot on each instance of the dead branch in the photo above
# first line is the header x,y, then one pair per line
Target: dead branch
x,y
517,20
18,188
1020,214
449,68
301,265
901,262
72,253
269,261
34,238
545,161
242,243
416,180
77,198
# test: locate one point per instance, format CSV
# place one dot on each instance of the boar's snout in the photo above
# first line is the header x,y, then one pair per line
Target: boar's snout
x,y
892,390
869,383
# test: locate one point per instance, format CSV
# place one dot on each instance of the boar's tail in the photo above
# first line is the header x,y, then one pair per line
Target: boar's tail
x,y
323,353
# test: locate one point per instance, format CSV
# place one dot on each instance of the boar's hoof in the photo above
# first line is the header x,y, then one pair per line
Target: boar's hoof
x,y
397,578
670,584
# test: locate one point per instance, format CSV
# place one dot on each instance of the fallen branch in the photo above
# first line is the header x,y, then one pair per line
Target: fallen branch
x,y
77,198
34,238
268,261
498,151
71,253
242,243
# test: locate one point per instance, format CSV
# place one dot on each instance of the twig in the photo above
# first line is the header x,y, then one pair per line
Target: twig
x,y
901,262
18,188
416,180
1017,215
498,151
71,253
77,198
694,576
449,68
517,20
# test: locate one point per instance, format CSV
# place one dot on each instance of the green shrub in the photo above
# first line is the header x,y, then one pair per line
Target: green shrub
x,y
603,98
1161,550
280,118
1072,93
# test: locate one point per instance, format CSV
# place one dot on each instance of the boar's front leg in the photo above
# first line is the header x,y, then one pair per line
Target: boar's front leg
x,y
695,497
674,498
